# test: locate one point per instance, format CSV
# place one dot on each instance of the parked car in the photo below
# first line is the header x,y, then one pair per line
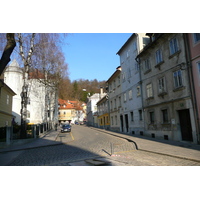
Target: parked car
x,y
66,128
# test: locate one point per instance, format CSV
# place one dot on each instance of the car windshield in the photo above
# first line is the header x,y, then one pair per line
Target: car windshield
x,y
66,126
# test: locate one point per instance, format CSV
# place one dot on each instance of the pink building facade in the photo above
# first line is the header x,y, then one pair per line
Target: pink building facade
x,y
194,59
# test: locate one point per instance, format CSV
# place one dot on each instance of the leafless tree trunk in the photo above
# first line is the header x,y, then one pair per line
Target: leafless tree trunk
x,y
24,94
5,59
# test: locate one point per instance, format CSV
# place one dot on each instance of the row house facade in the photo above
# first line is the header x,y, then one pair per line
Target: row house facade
x,y
6,99
92,112
129,101
103,113
71,111
114,96
193,52
167,103
155,91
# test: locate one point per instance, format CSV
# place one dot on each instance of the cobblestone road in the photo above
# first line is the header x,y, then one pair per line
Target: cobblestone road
x,y
84,143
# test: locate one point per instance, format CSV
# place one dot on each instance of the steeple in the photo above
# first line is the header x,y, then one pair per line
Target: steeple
x,y
14,63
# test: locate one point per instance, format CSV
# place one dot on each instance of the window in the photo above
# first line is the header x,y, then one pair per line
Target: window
x,y
129,73
134,46
132,116
149,90
137,67
119,101
7,99
173,44
130,94
138,91
28,114
124,77
29,101
140,114
147,64
165,116
115,119
161,85
196,37
152,117
158,56
124,96
128,53
114,83
115,102
178,82
118,80
198,68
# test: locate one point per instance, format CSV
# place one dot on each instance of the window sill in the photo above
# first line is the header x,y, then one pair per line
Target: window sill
x,y
159,64
162,94
174,54
179,88
149,98
147,71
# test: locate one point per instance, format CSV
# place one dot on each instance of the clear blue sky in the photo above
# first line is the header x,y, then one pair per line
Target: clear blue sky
x,y
93,55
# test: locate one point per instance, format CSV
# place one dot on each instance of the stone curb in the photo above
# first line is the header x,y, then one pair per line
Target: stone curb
x,y
124,137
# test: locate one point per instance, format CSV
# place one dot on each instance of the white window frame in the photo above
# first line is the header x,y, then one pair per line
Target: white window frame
x,y
161,85
178,79
130,94
125,97
149,90
8,99
173,46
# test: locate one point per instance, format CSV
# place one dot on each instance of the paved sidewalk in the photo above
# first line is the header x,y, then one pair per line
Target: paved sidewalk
x,y
45,140
183,150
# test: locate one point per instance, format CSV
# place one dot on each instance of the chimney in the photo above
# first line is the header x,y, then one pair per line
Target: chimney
x,y
101,92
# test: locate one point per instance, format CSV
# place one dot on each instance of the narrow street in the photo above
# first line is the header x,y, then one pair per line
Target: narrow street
x,y
85,147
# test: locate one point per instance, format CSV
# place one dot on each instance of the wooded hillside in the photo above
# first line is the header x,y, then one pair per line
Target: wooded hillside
x,y
79,89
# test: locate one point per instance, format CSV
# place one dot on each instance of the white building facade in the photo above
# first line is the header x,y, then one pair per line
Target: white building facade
x,y
42,101
131,110
92,108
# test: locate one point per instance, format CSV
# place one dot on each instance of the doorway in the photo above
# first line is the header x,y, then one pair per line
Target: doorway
x,y
185,124
126,121
122,123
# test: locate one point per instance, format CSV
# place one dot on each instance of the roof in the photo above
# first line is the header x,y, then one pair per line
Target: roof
x,y
157,36
118,70
2,84
36,74
67,104
126,43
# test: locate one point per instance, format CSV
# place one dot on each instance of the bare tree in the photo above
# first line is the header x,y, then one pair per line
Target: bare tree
x,y
5,58
26,52
50,61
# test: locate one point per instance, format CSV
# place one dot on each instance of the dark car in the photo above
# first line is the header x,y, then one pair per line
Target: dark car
x,y
66,128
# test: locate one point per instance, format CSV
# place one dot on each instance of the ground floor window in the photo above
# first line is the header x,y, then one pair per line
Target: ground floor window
x,y
165,116
152,117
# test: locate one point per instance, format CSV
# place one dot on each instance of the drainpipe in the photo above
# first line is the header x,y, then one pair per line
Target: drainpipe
x,y
141,89
192,87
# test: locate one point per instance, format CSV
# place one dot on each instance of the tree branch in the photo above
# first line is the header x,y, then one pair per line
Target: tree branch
x,y
5,59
